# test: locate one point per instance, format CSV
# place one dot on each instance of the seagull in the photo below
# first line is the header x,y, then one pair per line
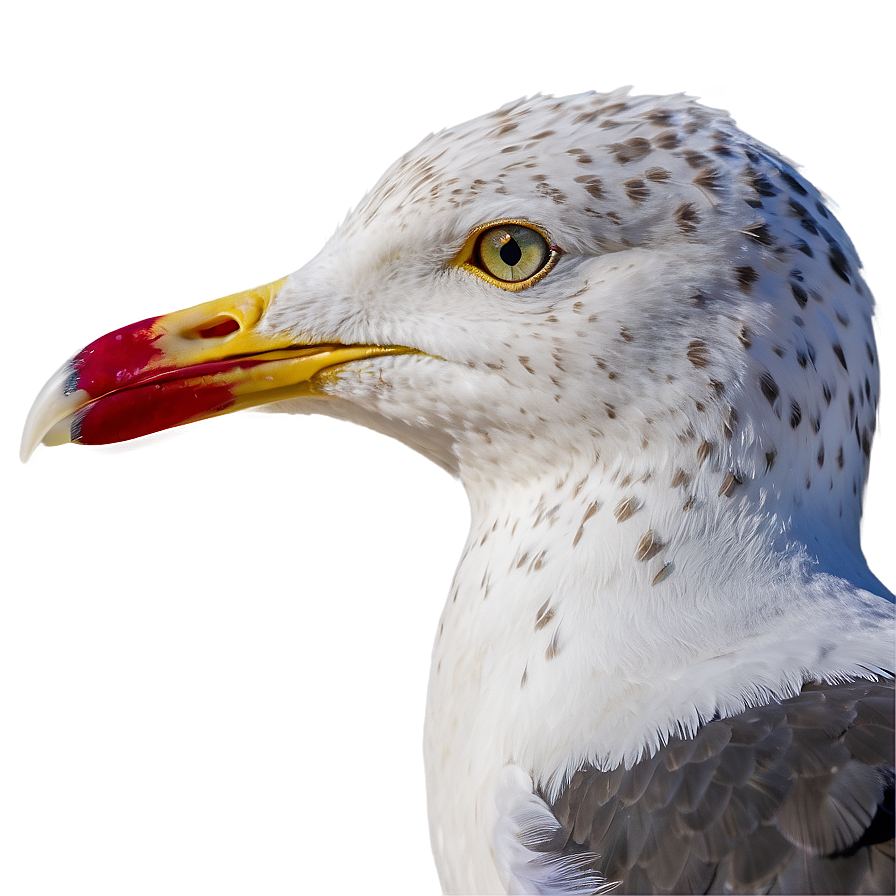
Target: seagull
x,y
642,341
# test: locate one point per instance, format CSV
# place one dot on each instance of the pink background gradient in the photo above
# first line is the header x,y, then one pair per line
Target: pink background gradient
x,y
216,641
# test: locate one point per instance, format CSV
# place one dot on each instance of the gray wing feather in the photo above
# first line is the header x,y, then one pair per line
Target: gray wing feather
x,y
793,797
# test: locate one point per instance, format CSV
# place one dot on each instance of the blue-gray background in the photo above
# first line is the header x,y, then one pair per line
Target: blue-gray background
x,y
214,643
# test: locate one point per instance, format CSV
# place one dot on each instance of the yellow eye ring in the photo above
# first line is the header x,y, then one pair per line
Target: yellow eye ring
x,y
510,253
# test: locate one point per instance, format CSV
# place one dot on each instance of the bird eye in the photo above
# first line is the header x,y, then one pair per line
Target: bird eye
x,y
512,253
509,254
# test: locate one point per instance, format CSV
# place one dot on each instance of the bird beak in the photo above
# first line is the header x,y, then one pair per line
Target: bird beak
x,y
178,368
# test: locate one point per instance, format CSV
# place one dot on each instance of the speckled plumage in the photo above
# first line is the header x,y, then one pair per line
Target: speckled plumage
x,y
665,443
664,440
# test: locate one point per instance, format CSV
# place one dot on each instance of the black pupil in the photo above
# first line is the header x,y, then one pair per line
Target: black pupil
x,y
511,253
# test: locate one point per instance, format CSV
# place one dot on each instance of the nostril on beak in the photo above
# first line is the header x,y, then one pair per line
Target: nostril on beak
x,y
220,328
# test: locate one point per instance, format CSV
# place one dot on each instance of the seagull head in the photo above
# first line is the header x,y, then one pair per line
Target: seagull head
x,y
630,281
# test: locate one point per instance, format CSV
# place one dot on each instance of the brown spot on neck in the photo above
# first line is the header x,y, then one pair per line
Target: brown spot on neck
x,y
649,546
544,615
729,484
626,508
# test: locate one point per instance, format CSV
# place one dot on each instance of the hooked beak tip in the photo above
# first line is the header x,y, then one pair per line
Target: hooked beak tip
x,y
49,420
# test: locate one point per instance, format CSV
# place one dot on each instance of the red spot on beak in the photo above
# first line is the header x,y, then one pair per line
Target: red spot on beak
x,y
114,359
149,408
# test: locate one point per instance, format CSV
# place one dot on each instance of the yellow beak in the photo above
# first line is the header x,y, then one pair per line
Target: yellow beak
x,y
178,368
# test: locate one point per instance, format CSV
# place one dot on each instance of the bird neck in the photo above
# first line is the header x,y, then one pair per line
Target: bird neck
x,y
646,577
590,618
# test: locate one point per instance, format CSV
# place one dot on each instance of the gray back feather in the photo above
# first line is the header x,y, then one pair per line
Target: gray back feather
x,y
792,797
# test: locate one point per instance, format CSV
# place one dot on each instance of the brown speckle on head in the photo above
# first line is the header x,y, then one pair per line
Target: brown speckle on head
x,y
630,150
695,159
746,276
722,147
838,351
792,182
697,353
636,189
657,174
759,232
744,336
804,247
760,183
667,140
649,546
615,108
708,179
587,117
697,123
592,184
687,218
660,117
545,189
839,264
768,386
704,451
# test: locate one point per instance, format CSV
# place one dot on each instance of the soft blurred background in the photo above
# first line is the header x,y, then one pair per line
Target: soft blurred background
x,y
214,643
